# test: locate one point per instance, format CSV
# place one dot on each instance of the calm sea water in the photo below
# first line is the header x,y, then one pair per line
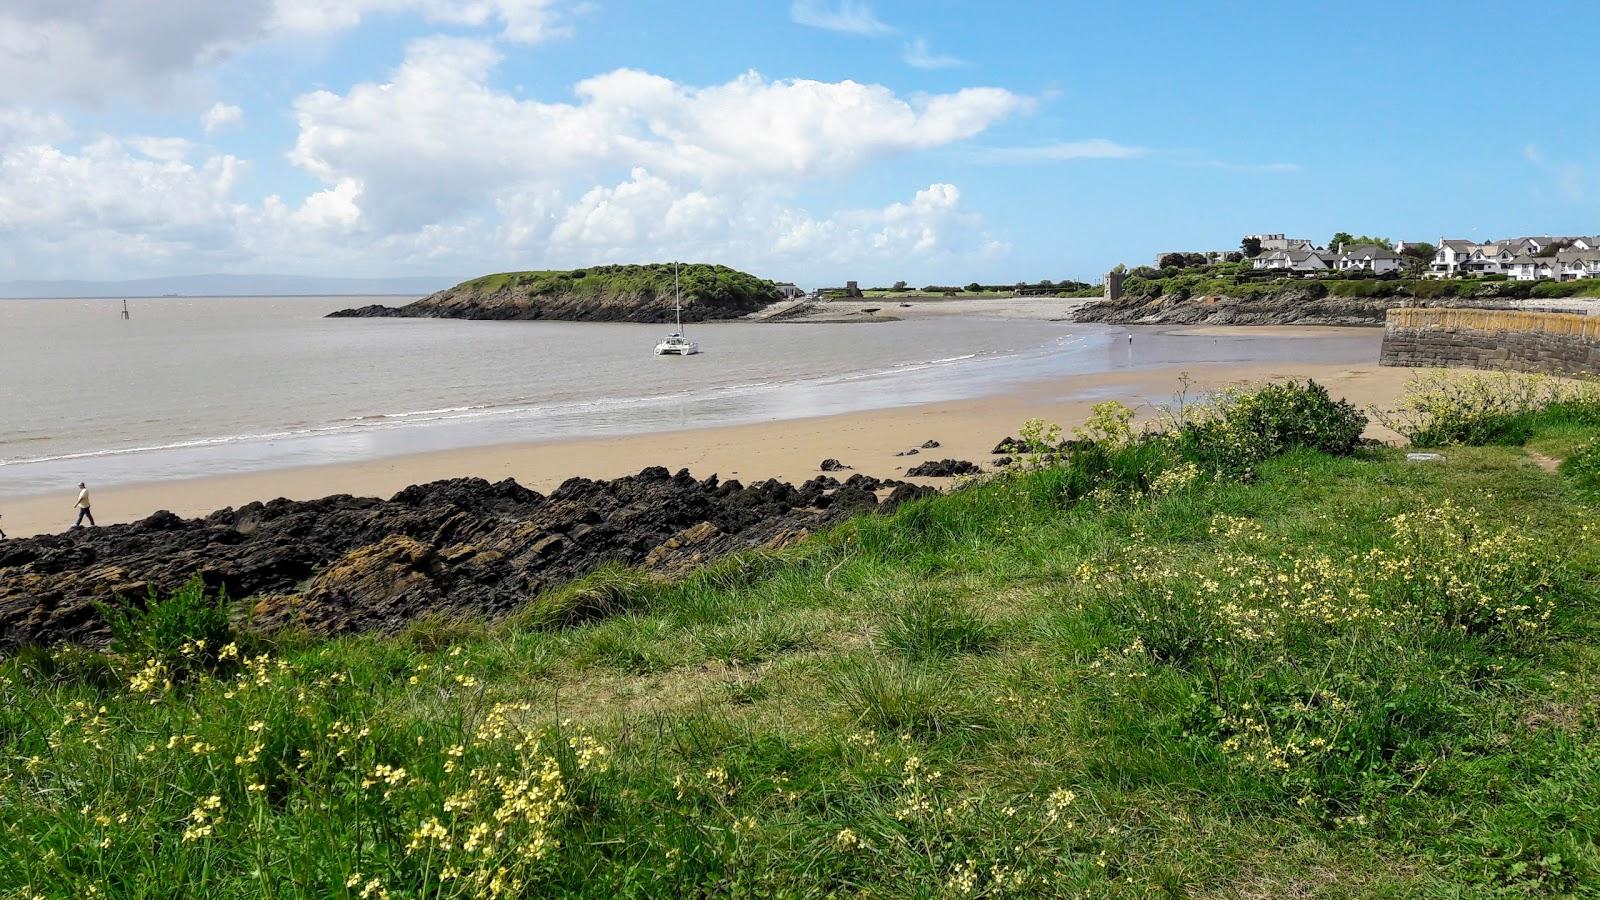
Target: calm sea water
x,y
196,386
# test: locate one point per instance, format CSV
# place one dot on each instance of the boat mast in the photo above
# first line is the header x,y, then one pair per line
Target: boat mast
x,y
677,294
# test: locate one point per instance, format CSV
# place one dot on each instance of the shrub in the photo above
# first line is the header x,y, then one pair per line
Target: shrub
x,y
1241,428
1477,409
186,628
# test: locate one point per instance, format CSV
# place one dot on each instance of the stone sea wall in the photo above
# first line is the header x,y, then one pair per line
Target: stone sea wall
x,y
1511,340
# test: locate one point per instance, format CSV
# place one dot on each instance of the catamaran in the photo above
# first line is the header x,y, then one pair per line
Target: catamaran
x,y
675,344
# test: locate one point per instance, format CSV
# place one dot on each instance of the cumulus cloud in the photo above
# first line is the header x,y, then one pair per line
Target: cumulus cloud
x,y
437,139
116,203
82,50
436,167
220,116
86,50
846,16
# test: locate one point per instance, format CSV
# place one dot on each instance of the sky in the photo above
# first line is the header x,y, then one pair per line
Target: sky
x,y
816,141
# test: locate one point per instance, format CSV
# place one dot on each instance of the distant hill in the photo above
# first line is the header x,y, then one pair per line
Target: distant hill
x,y
618,293
224,286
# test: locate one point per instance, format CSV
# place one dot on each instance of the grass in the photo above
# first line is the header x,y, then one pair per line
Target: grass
x,y
700,282
1343,676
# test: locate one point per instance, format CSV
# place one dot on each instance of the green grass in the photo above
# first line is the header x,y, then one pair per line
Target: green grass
x,y
1350,676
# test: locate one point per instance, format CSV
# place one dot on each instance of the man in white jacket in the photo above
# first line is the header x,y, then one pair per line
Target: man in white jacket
x,y
82,506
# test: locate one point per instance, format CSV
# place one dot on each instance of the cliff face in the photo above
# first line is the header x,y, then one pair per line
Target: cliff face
x,y
1289,308
599,294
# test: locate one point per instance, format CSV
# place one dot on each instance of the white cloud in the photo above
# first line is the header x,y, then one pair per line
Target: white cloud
x,y
847,16
20,125
919,55
82,50
1091,148
87,50
522,21
437,139
434,168
220,116
117,203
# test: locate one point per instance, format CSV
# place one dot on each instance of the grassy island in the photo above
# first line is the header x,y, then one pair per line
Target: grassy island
x,y
1246,656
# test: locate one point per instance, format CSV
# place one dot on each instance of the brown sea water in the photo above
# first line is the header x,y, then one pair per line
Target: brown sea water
x,y
200,386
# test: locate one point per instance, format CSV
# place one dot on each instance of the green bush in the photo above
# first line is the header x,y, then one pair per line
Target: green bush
x,y
1242,428
1483,409
186,627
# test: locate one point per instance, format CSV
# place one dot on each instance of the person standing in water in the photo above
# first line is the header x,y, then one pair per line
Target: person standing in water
x,y
82,506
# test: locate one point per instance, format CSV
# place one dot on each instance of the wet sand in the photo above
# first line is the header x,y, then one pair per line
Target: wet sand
x,y
788,450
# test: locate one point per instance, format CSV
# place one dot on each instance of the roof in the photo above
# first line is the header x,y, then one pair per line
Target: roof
x,y
1375,251
1457,245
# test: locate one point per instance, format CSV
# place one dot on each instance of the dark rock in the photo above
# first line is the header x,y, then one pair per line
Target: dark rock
x,y
929,445
912,452
1003,461
904,493
832,465
460,547
944,468
371,311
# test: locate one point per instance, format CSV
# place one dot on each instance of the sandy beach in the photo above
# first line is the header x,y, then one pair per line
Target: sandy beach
x,y
789,450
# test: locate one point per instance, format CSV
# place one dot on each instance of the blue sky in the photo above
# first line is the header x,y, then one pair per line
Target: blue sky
x,y
815,140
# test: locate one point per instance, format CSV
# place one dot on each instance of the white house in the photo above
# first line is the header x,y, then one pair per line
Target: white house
x,y
1455,257
1306,260
1370,257
789,291
1565,265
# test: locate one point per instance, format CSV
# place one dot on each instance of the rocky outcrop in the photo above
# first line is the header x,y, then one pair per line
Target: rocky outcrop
x,y
624,293
460,547
1304,304
944,468
1288,308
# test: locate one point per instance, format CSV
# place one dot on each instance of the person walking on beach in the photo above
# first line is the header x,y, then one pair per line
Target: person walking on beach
x,y
82,506
2,532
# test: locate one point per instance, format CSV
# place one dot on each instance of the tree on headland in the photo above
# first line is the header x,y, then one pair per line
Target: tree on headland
x,y
1170,261
1251,247
1234,256
1347,239
1552,248
899,286
974,287
1418,255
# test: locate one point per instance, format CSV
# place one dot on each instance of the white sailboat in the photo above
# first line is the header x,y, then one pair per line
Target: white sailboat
x,y
675,344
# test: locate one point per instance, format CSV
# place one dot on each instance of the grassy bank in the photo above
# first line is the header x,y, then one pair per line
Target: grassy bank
x,y
700,282
1219,664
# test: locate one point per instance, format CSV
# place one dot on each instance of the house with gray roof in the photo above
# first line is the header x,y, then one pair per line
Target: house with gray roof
x,y
1374,258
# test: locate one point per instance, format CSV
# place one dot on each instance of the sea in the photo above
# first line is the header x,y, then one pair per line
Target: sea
x,y
187,387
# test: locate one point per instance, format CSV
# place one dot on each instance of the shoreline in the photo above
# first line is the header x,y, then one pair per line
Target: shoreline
x,y
788,449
